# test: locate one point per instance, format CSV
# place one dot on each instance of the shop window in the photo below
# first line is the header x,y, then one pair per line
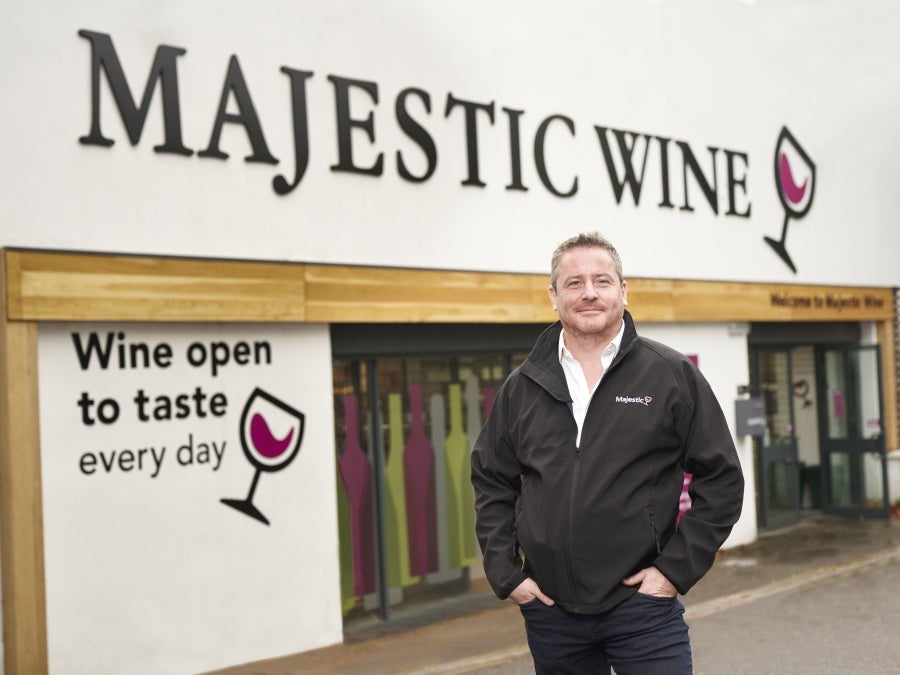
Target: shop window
x,y
405,426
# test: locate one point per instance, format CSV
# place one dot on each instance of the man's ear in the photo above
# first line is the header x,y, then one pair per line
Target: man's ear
x,y
552,293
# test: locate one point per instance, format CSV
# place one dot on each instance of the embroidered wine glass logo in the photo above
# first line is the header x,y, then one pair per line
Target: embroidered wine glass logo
x,y
795,181
271,432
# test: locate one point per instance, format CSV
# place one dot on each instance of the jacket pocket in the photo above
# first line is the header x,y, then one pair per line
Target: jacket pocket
x,y
520,507
651,517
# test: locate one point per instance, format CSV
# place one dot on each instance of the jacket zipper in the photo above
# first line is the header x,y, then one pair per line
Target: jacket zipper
x,y
576,470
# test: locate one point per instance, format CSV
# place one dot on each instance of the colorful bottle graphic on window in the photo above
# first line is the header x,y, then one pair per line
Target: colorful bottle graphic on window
x,y
460,494
426,489
418,464
355,471
395,519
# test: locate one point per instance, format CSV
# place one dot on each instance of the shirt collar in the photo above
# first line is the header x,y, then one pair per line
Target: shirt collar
x,y
608,354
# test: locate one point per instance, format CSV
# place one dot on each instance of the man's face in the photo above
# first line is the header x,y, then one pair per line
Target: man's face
x,y
589,295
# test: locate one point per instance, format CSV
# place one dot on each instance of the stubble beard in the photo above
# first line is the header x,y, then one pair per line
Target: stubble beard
x,y
601,327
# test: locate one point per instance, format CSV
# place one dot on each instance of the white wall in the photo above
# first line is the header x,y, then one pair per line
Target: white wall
x,y
147,571
722,358
711,73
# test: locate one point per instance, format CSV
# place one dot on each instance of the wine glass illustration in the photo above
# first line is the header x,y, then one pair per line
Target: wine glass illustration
x,y
271,432
795,180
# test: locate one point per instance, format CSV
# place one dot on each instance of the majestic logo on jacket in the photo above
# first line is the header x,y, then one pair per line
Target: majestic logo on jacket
x,y
643,400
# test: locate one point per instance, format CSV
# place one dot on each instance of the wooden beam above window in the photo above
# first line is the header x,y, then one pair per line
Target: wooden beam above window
x,y
71,286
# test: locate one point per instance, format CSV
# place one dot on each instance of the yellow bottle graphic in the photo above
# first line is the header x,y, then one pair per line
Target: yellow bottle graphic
x,y
395,500
460,494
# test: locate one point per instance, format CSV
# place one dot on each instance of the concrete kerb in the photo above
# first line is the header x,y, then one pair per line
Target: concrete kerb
x,y
813,576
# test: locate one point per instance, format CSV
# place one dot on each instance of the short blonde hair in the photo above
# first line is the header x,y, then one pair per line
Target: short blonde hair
x,y
584,240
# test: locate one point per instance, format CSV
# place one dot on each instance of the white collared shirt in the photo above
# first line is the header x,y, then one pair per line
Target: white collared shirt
x,y
576,381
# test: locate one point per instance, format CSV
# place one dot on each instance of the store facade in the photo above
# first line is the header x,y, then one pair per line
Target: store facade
x,y
257,302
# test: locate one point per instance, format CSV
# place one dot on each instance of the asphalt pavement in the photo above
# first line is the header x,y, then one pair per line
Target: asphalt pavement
x,y
822,596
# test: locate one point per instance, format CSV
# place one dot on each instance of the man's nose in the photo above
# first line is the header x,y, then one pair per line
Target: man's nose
x,y
590,291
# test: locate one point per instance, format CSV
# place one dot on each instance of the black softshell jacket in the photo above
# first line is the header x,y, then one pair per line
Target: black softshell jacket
x,y
580,519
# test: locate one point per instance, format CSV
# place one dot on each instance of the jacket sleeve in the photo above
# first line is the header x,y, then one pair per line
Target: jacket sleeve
x,y
496,478
716,489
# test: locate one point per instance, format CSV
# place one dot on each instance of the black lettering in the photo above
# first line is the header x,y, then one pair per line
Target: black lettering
x,y
241,353
199,396
162,355
88,463
471,109
709,191
246,117
664,171
219,355
625,141
108,410
345,125
85,403
126,460
734,182
218,404
140,400
163,409
93,347
301,130
163,70
182,406
262,352
136,350
196,354
539,160
515,152
417,134
109,463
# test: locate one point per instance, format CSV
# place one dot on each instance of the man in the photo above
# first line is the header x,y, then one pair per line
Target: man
x,y
578,472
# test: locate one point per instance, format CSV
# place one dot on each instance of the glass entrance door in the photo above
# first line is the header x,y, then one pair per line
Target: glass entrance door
x,y
850,421
776,451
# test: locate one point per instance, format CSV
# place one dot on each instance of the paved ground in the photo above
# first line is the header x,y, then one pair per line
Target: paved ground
x,y
819,597
842,619
847,623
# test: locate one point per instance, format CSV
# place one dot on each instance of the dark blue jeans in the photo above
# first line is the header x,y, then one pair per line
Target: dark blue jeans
x,y
642,636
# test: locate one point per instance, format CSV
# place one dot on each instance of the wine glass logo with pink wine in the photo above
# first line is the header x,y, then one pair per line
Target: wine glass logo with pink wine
x,y
271,432
795,181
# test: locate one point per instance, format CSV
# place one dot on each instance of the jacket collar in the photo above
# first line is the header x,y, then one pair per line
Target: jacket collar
x,y
543,366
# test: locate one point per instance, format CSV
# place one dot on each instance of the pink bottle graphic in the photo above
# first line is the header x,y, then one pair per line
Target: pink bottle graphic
x,y
356,476
418,464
